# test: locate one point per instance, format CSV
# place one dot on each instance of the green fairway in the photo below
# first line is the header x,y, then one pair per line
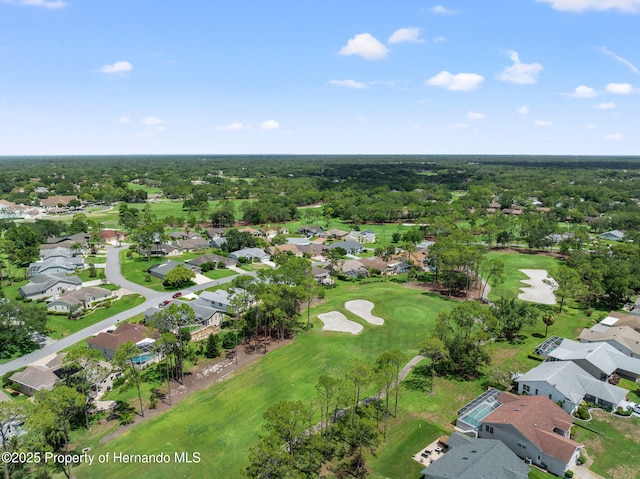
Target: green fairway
x,y
514,262
224,421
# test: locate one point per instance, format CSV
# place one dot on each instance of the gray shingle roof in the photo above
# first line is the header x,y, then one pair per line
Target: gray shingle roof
x,y
470,458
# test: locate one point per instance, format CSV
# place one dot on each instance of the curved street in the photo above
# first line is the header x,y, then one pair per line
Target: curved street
x,y
114,276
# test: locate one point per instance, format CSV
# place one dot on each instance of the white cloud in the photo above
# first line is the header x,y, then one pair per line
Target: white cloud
x,y
629,6
583,92
269,125
619,88
606,106
458,82
590,126
619,59
440,10
125,120
472,115
542,123
613,137
349,84
523,110
152,120
459,126
365,45
439,39
235,126
409,35
51,4
117,67
521,73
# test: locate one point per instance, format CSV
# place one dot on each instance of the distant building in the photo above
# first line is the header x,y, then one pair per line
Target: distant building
x,y
615,235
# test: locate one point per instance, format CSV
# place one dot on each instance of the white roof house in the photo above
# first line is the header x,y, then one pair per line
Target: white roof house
x,y
251,254
566,383
599,359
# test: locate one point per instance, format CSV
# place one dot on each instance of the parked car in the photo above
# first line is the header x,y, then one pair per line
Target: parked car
x,y
164,303
177,295
635,408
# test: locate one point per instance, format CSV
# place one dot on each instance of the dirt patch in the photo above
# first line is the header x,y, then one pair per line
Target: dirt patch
x,y
202,376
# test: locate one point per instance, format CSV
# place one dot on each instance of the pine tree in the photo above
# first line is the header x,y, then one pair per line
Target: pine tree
x,y
213,346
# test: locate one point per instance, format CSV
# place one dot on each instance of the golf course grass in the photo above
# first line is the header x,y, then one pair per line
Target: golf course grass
x,y
224,421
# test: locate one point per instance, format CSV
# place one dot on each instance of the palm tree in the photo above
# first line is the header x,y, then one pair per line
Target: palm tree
x,y
548,319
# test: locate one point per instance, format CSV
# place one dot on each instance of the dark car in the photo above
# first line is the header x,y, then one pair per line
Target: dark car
x,y
177,295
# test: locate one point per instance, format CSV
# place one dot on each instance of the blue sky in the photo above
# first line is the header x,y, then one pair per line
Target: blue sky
x,y
334,77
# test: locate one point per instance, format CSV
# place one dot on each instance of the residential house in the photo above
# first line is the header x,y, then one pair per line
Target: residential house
x,y
112,237
211,258
57,252
472,458
251,255
205,319
334,234
192,244
36,378
252,231
313,251
160,270
142,336
215,232
269,232
219,299
68,241
535,429
601,360
350,246
9,210
560,237
83,298
615,235
45,285
566,383
162,249
366,236
299,241
322,275
353,269
623,338
55,265
57,201
309,230
285,248
390,268
217,242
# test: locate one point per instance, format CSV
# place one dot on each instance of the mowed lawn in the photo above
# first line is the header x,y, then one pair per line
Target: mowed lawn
x,y
513,262
223,422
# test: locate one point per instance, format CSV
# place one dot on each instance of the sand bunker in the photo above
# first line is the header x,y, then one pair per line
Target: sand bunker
x,y
363,308
336,321
538,291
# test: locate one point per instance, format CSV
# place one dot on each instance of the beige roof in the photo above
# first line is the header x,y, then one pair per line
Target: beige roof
x,y
124,333
624,335
535,417
54,201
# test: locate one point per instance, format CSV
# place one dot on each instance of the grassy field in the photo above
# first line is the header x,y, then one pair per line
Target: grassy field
x,y
160,208
224,421
614,449
514,262
61,326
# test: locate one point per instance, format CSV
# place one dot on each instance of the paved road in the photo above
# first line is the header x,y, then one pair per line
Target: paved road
x,y
114,276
